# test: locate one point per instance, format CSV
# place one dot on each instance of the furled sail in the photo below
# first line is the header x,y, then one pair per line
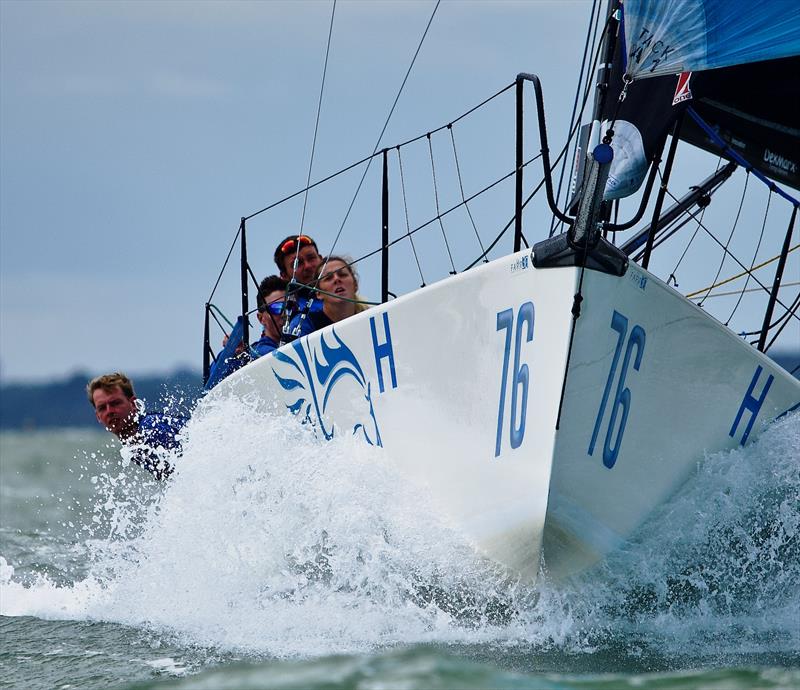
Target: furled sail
x,y
736,64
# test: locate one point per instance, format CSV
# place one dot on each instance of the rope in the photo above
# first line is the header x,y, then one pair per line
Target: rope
x,y
319,110
461,187
739,275
408,225
736,292
438,211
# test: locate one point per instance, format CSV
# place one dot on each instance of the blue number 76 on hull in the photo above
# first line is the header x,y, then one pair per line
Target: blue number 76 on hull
x,y
622,400
520,375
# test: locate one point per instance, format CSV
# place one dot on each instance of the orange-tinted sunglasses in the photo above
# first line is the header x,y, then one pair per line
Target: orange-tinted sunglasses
x,y
291,244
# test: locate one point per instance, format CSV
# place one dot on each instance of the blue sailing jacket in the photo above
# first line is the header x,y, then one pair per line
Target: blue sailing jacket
x,y
157,434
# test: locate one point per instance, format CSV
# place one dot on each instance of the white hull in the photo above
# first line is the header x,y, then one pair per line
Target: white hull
x,y
432,391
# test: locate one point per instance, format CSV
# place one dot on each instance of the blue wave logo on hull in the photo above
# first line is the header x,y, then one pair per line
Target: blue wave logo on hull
x,y
314,377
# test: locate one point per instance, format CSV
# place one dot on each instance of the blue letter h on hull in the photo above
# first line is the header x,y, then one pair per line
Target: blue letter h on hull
x,y
383,350
752,404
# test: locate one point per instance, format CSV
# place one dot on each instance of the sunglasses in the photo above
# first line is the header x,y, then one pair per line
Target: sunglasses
x,y
291,244
274,308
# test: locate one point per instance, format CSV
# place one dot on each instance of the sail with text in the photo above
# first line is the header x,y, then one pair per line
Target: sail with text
x,y
735,64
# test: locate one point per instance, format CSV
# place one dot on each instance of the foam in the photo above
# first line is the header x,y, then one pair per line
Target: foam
x,y
269,541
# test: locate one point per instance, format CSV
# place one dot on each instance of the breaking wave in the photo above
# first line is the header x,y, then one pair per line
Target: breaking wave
x,y
269,541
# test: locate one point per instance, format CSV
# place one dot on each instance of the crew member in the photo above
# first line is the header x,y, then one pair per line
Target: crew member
x,y
271,293
308,262
338,290
300,298
118,410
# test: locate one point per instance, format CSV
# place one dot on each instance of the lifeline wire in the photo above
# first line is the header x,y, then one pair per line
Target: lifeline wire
x,y
461,187
694,234
795,304
538,187
408,225
385,125
438,212
730,237
348,168
755,254
728,252
450,210
224,264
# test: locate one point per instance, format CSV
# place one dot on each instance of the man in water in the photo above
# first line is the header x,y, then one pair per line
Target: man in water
x,y
118,410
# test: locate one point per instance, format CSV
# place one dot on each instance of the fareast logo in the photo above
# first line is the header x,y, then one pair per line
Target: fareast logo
x,y
778,161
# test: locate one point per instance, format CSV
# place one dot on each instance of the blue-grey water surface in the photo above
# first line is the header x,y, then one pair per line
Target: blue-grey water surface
x,y
273,561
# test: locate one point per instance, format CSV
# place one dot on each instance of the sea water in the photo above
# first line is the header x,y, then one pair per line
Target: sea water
x,y
272,559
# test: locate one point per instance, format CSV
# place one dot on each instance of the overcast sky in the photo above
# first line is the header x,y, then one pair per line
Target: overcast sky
x,y
134,135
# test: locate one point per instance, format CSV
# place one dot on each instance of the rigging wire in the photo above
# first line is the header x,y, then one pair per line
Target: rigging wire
x,y
730,236
538,187
755,254
348,168
788,314
777,321
450,210
461,187
296,261
316,124
225,264
728,252
587,90
438,210
383,130
694,234
505,228
408,225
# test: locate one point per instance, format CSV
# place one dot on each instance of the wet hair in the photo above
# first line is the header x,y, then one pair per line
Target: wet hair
x,y
268,285
108,382
361,305
280,254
